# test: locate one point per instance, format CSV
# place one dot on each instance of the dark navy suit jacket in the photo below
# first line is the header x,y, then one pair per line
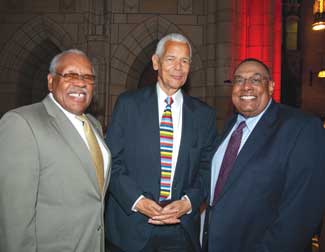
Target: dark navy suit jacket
x,y
133,138
274,196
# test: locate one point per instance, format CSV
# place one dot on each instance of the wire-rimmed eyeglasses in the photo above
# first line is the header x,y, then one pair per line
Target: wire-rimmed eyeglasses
x,y
256,80
88,78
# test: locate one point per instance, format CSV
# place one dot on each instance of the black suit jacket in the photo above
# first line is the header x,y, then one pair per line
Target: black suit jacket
x,y
133,137
273,198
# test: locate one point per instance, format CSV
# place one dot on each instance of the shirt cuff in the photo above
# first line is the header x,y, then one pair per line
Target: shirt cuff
x,y
185,197
136,202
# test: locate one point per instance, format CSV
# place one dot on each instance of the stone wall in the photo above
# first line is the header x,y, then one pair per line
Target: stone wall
x,y
120,38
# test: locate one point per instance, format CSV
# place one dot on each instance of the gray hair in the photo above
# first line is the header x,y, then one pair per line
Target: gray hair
x,y
267,69
171,37
57,58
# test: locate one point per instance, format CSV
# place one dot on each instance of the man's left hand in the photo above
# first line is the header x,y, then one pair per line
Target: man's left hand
x,y
178,207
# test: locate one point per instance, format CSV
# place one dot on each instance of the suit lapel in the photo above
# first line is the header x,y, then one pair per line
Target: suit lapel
x,y
228,128
99,132
148,121
148,113
71,136
255,141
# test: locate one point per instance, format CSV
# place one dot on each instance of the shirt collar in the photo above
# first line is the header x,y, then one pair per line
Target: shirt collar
x,y
70,115
177,97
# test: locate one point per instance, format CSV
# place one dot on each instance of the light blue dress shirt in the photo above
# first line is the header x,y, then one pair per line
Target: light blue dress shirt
x,y
218,156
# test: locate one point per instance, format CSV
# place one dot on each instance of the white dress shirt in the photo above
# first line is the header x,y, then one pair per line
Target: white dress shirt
x,y
79,127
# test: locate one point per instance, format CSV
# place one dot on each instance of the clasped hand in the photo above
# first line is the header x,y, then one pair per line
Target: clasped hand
x,y
158,215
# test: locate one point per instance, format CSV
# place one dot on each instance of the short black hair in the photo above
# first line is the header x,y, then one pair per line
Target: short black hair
x,y
256,61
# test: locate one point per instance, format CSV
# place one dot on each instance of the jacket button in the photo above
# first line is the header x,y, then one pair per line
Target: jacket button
x,y
99,228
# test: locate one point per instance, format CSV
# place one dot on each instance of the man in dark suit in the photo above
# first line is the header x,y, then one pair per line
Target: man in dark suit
x,y
159,164
270,196
53,179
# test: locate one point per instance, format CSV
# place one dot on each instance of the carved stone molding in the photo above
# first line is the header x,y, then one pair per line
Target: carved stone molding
x,y
67,5
131,5
185,6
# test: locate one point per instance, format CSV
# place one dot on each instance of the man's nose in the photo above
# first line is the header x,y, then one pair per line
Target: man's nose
x,y
178,64
80,82
247,84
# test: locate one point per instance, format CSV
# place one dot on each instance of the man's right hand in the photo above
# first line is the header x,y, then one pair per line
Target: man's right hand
x,y
148,207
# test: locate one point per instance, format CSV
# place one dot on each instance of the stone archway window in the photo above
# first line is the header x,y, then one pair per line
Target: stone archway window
x,y
292,33
148,76
25,60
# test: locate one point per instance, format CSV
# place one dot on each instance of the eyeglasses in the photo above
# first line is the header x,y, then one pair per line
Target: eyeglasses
x,y
256,80
88,78
172,60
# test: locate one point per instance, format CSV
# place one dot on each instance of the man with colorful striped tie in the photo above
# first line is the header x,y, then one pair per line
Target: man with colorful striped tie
x,y
161,141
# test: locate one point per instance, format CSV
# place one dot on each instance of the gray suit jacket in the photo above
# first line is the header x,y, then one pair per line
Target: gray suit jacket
x,y
49,197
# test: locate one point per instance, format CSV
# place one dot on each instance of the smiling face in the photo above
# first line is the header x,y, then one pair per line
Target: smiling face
x,y
173,66
74,96
248,98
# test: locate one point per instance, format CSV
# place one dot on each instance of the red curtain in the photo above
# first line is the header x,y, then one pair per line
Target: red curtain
x,y
258,29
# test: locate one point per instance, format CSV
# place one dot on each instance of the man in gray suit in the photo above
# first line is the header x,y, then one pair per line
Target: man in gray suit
x,y
53,174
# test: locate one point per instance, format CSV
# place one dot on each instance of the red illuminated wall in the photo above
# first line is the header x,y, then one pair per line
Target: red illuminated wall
x,y
259,34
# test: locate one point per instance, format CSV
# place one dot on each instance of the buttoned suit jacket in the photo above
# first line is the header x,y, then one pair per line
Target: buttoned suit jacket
x,y
133,138
273,198
49,193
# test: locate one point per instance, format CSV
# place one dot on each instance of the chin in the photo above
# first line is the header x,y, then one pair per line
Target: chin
x,y
77,111
246,112
178,86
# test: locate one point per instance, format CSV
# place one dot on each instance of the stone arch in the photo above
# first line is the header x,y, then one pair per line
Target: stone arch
x,y
134,52
25,58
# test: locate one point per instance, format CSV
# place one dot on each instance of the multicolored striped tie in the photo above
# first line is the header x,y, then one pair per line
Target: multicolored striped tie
x,y
166,150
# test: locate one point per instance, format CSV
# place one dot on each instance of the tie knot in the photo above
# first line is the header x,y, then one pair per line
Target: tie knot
x,y
169,100
82,118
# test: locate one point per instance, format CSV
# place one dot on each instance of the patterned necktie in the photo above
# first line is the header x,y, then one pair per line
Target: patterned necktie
x,y
95,151
166,150
229,159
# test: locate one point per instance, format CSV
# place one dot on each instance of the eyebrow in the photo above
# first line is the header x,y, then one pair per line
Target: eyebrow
x,y
175,56
251,75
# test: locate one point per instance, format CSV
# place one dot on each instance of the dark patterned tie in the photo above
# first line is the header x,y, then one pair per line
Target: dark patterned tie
x,y
229,159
